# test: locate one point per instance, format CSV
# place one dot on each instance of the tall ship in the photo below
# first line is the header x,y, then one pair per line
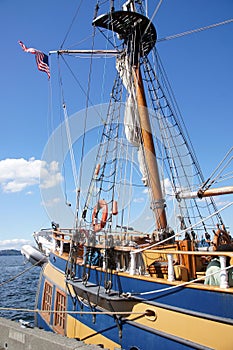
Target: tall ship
x,y
131,272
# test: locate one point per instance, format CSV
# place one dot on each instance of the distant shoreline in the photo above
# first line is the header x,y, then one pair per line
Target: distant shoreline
x,y
5,252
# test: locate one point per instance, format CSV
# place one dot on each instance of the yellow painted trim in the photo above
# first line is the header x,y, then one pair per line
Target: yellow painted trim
x,y
205,332
76,329
56,277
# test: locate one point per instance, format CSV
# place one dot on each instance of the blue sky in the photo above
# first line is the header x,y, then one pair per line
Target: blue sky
x,y
199,67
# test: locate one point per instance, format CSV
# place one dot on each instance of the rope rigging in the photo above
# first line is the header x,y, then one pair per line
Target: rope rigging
x,y
72,23
85,125
195,30
107,152
179,153
220,168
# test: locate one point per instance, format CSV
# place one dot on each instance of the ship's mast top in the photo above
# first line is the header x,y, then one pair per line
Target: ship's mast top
x,y
132,27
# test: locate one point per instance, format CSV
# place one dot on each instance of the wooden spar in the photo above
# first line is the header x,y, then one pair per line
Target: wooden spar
x,y
149,149
86,52
215,191
206,193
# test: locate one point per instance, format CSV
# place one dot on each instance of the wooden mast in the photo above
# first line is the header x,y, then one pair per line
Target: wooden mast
x,y
157,204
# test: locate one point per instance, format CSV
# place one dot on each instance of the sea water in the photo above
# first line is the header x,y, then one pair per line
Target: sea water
x,y
18,286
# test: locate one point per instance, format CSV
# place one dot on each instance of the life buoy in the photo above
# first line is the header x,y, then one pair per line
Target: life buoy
x,y
103,206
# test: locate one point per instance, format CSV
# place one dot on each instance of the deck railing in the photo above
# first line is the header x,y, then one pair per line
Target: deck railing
x,y
63,238
170,258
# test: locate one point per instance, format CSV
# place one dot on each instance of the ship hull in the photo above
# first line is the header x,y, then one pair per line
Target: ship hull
x,y
173,317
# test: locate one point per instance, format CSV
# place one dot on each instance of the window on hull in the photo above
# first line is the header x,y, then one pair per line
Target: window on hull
x,y
60,314
47,301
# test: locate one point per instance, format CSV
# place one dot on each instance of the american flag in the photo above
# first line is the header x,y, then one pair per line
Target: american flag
x,y
42,59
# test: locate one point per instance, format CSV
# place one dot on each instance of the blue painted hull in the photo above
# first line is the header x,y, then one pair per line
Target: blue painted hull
x,y
195,303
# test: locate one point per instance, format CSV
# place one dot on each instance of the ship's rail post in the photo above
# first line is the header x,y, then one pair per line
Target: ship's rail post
x,y
61,247
170,268
223,272
132,270
54,242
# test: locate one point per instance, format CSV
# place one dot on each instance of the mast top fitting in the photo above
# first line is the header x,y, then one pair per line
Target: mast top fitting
x,y
128,25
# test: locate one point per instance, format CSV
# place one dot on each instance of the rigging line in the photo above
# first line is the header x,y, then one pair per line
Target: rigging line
x,y
80,42
106,37
50,115
183,231
71,25
85,121
182,284
83,90
70,146
67,132
178,115
219,165
220,172
21,273
195,30
180,121
146,2
131,187
152,17
75,312
103,2
104,74
156,104
224,178
113,32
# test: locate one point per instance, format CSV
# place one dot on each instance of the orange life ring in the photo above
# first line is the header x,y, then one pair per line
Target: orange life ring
x,y
103,206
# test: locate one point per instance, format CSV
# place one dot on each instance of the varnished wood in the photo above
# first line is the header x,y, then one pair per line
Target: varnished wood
x,y
149,149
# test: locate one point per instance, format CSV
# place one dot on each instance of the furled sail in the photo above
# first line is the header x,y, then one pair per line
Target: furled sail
x,y
131,117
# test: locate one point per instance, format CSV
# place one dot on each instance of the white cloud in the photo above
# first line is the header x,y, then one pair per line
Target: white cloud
x,y
13,243
19,174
